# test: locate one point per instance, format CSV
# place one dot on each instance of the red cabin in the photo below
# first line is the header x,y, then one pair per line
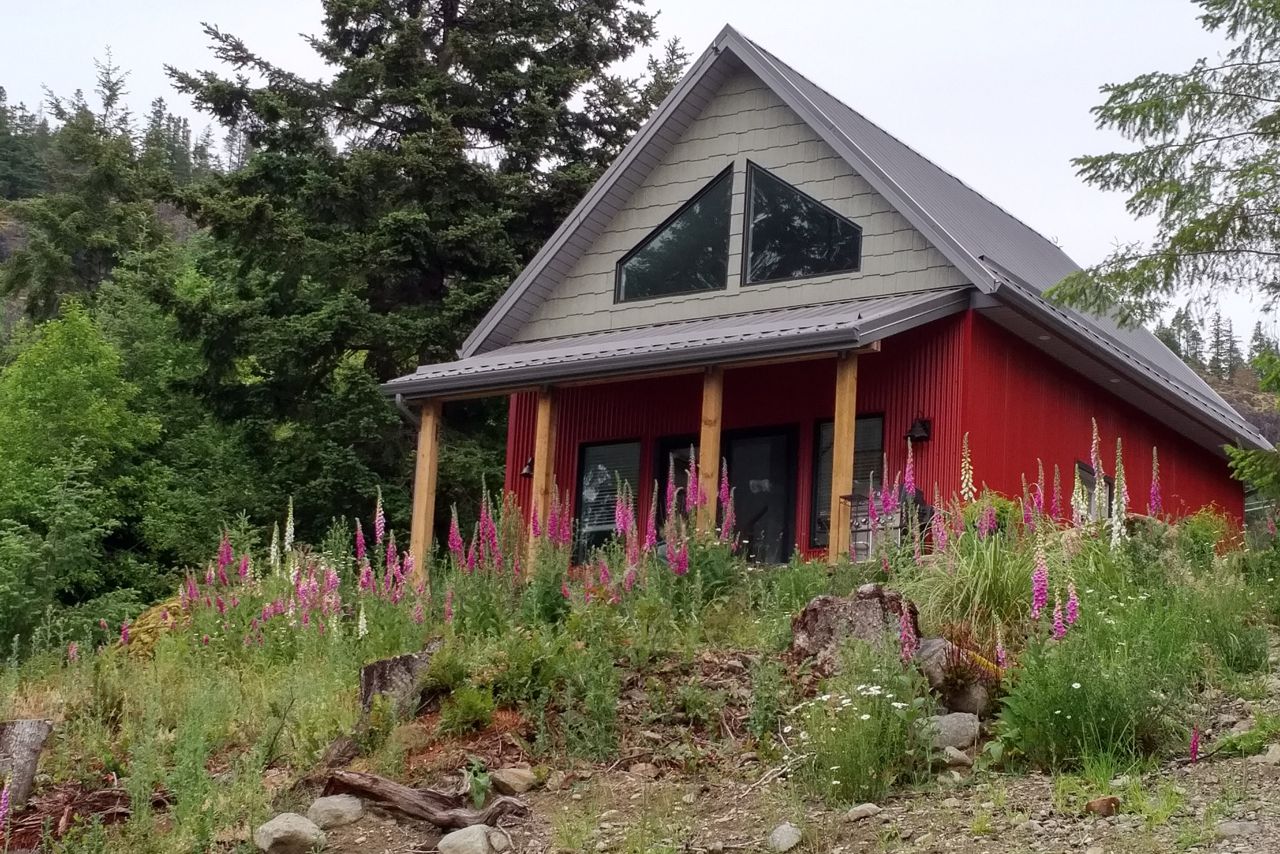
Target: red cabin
x,y
769,281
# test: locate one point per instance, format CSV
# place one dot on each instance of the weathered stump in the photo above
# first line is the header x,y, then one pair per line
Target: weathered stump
x,y
872,614
398,679
20,744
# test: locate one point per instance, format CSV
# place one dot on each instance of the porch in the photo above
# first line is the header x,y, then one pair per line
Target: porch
x,y
802,432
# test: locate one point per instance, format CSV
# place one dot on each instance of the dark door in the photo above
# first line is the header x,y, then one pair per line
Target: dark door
x,y
762,476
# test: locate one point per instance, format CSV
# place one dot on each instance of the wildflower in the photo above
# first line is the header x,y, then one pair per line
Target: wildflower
x,y
243,571
907,640
553,521
678,555
366,578
1195,744
1028,519
987,522
224,554
909,474
620,511
889,499
693,490
1075,686
222,606
124,633
1155,506
1120,510
1079,500
379,520
406,566
288,528
472,557
1037,498
651,524
938,523
455,537
629,580
73,651
1002,655
360,545
275,548
605,577
967,492
1073,604
566,525
564,589
535,529
1039,580
393,557
362,624
671,485
1055,508
1059,627
448,606
204,641
418,614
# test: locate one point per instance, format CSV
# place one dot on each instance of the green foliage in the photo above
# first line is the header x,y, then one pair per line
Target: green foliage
x,y
467,708
767,693
864,734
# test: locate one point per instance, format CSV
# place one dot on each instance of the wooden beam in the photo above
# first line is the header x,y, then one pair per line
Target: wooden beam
x,y
842,456
709,447
425,471
544,462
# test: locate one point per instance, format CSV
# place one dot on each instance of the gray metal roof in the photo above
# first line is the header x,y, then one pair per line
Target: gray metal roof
x,y
788,331
999,254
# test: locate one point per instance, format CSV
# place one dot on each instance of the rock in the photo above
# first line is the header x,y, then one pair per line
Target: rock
x,y
689,798
862,811
335,811
1031,826
957,729
973,697
1104,807
288,833
644,769
820,630
1236,829
923,840
499,840
514,780
1094,849
956,758
469,840
952,803
784,837
1271,757
556,781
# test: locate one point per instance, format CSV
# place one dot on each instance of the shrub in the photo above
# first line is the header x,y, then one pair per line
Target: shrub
x,y
1112,686
467,708
767,691
864,733
1198,537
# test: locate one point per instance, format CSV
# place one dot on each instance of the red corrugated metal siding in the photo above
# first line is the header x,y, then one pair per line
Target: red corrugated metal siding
x,y
917,373
1022,405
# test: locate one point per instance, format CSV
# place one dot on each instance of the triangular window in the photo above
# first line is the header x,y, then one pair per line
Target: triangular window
x,y
687,253
791,235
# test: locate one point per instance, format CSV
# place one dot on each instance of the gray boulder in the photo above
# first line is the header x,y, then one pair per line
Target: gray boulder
x,y
288,833
335,811
784,837
469,840
957,729
515,780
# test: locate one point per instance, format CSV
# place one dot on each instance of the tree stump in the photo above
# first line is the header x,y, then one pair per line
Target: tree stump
x,y
396,678
20,744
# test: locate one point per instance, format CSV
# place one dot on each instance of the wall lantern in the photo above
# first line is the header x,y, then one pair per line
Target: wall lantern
x,y
527,471
921,429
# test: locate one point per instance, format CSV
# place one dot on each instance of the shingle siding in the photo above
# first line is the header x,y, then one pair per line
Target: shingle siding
x,y
745,121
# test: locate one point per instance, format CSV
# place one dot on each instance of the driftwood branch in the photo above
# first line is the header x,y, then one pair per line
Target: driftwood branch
x,y
444,810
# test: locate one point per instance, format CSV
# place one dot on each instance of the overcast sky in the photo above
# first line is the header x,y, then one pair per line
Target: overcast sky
x,y
996,91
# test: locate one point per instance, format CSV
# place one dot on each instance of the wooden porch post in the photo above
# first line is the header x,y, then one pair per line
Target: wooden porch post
x,y
544,462
424,487
709,447
842,456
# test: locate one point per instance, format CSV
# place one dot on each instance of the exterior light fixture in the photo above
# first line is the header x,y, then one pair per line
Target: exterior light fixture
x,y
920,431
527,471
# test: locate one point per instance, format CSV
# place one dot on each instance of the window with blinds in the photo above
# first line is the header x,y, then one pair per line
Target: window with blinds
x,y
603,468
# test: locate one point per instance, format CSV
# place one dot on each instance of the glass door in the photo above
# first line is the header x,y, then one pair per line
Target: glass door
x,y
762,476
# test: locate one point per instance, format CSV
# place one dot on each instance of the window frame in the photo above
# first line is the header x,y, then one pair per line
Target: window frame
x,y
618,297
814,509
581,550
1109,482
745,280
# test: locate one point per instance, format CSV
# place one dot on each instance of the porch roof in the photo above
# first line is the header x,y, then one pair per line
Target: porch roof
x,y
742,337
